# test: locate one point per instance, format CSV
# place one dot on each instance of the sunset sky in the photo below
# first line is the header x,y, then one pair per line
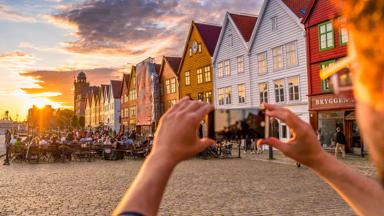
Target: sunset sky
x,y
45,43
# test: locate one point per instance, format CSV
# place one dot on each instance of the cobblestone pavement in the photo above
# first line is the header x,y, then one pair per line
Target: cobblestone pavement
x,y
248,186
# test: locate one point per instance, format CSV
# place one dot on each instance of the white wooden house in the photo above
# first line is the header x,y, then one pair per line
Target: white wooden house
x,y
113,116
230,62
278,61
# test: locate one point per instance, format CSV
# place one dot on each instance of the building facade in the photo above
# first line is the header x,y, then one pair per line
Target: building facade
x,y
80,94
132,98
231,62
278,60
195,70
148,96
124,100
113,119
169,82
327,40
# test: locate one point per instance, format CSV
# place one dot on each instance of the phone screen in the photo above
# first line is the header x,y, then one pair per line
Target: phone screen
x,y
236,124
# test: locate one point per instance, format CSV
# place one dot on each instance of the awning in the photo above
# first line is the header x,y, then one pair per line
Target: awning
x,y
351,116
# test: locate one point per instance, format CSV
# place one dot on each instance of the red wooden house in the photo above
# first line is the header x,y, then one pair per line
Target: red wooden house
x,y
327,40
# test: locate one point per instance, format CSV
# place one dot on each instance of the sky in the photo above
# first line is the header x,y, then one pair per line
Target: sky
x,y
45,43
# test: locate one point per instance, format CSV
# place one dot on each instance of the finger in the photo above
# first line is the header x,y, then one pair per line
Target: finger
x,y
192,106
205,143
274,142
204,110
283,114
179,104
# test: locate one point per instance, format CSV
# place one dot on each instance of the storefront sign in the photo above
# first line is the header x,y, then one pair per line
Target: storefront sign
x,y
329,101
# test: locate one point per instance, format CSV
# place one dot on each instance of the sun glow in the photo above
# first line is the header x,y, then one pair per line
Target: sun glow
x,y
41,102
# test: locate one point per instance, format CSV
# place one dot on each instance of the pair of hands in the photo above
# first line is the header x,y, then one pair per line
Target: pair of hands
x,y
177,139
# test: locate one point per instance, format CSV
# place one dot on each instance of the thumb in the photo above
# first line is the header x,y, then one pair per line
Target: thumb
x,y
205,143
274,142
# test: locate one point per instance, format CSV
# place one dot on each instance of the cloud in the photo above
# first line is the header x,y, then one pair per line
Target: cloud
x,y
16,56
140,27
58,85
6,13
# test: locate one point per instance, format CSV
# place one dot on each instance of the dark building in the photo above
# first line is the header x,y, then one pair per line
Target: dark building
x,y
80,96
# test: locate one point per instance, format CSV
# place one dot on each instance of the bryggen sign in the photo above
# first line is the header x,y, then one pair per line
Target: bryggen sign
x,y
324,102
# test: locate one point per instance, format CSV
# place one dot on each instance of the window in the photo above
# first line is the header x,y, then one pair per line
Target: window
x,y
132,94
277,54
325,84
240,64
187,78
227,68
343,36
132,111
126,112
293,88
199,47
326,39
241,93
279,91
274,23
263,89
190,52
168,86
262,62
200,96
291,54
199,76
228,95
171,103
220,69
207,73
208,97
173,85
221,96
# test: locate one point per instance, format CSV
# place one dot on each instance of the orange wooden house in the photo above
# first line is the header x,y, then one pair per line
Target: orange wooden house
x,y
169,82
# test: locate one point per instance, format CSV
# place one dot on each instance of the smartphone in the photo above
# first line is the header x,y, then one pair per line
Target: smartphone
x,y
237,124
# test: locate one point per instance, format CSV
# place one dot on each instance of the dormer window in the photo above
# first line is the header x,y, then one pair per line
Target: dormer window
x,y
274,23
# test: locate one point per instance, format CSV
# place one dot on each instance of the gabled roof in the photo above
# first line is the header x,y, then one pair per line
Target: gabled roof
x,y
244,24
173,62
299,7
293,4
107,93
210,34
126,81
116,88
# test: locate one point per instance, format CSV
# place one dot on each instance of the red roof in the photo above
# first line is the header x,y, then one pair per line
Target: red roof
x,y
174,62
116,88
299,7
245,24
210,35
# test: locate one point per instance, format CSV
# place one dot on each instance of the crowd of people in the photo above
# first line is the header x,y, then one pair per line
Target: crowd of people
x,y
62,145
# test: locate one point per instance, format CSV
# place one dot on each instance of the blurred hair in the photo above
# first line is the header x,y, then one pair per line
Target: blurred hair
x,y
366,24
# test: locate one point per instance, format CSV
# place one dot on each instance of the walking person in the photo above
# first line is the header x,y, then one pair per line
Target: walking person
x,y
8,138
340,142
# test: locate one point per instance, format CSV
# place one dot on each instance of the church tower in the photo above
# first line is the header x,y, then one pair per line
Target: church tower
x,y
81,88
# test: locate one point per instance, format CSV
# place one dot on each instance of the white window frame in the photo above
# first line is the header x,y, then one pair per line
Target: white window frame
x,y
277,58
274,23
220,69
228,95
200,75
240,64
291,54
292,88
263,93
220,96
187,78
279,96
241,92
207,74
262,63
173,85
227,68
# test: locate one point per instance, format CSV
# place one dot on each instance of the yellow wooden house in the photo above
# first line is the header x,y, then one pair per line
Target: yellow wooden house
x,y
195,70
